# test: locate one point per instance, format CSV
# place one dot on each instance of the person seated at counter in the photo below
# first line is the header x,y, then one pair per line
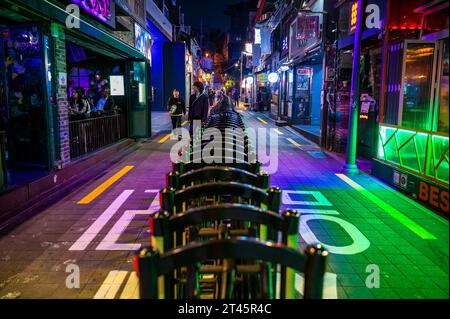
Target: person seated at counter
x,y
79,106
106,103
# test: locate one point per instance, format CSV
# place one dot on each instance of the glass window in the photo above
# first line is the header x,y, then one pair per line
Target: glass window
x,y
443,95
418,79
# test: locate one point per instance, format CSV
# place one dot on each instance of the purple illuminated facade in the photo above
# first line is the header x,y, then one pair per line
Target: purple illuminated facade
x,y
103,10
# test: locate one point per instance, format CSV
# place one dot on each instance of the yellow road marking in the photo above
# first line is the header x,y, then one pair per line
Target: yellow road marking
x,y
184,123
103,187
293,142
165,138
262,121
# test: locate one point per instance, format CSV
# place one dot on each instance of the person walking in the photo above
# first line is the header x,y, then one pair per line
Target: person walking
x,y
198,106
177,108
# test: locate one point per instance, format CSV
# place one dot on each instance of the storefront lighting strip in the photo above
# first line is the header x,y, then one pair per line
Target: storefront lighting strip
x,y
403,219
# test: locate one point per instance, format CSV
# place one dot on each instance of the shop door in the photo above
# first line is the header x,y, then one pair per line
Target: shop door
x,y
302,104
24,101
138,110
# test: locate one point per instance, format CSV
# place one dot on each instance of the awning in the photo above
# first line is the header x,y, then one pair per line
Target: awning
x,y
52,12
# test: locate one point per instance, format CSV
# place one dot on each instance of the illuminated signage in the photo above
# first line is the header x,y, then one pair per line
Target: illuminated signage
x,y
258,38
103,10
143,41
353,16
273,77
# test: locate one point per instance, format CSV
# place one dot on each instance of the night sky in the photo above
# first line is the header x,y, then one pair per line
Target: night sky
x,y
210,10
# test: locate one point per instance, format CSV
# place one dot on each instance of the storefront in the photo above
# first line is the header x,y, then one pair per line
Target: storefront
x,y
46,60
413,149
370,81
306,77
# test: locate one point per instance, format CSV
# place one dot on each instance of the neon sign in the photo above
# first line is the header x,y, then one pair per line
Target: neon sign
x,y
103,10
353,16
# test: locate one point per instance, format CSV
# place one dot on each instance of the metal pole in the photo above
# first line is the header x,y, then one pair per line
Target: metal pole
x,y
242,74
351,168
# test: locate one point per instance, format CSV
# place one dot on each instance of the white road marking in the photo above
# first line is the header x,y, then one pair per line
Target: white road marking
x,y
96,227
110,240
151,191
321,200
329,285
111,285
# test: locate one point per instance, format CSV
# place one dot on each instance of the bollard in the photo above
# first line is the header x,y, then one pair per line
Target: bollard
x,y
316,258
178,166
290,239
274,199
159,228
173,180
256,167
264,180
147,269
167,200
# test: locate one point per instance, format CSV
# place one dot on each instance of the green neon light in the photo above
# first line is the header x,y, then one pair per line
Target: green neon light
x,y
419,152
403,219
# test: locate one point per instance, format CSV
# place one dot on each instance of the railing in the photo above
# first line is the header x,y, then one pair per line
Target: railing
x,y
421,152
89,135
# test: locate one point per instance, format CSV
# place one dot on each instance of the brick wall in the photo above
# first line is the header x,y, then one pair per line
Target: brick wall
x,y
61,96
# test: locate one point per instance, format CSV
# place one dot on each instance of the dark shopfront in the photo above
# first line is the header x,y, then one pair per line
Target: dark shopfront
x,y
43,62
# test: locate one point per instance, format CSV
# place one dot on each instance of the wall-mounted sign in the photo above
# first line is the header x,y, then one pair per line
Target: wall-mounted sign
x,y
305,34
103,10
62,79
353,16
258,36
117,85
143,41
273,77
262,78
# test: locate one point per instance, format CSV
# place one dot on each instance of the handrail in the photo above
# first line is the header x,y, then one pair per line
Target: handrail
x,y
219,173
221,188
233,212
151,265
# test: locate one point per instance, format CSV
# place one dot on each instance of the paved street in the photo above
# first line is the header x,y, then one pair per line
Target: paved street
x,y
367,226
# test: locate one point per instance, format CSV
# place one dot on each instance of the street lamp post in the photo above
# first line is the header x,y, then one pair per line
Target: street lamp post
x,y
351,168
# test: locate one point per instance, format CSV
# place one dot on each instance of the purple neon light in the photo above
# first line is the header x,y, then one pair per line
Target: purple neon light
x,y
101,9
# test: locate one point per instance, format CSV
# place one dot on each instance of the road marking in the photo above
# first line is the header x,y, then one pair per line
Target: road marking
x,y
320,199
151,191
103,187
184,123
131,290
403,219
262,121
165,138
278,132
110,242
95,228
329,285
111,285
293,142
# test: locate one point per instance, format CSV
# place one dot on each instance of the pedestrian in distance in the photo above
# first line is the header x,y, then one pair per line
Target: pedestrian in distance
x,y
177,108
198,106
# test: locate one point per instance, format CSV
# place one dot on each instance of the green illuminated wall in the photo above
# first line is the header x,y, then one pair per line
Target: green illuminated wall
x,y
424,153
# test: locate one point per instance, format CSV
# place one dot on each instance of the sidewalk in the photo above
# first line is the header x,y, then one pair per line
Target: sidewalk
x,y
365,225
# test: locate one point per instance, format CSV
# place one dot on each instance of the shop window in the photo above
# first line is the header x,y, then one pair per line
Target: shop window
x,y
435,22
443,118
417,84
79,77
